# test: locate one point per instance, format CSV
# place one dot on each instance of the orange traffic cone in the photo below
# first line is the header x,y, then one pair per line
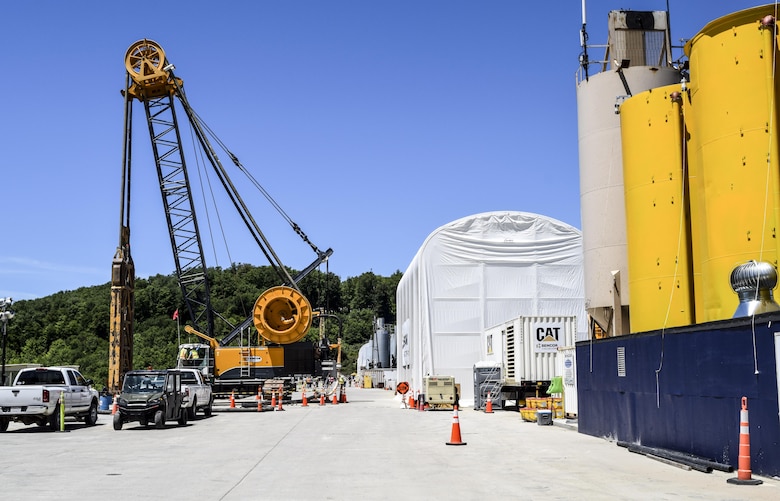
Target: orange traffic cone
x,y
260,403
114,406
322,399
335,399
273,399
343,395
412,403
304,403
455,436
744,474
232,400
489,406
280,402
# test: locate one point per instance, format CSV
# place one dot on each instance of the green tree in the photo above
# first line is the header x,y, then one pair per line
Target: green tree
x,y
72,327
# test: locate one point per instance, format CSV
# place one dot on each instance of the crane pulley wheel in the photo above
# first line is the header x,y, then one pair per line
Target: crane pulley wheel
x,y
144,58
282,315
145,63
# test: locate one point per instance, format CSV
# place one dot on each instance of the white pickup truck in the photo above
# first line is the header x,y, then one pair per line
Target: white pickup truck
x,y
35,397
197,390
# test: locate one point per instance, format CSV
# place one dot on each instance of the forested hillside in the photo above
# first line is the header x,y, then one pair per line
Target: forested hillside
x,y
72,327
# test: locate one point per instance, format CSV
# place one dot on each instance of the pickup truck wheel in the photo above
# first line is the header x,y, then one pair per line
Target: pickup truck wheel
x,y
118,421
3,424
191,410
53,421
207,409
159,419
92,416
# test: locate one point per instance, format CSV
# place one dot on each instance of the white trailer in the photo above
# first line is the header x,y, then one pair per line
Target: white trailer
x,y
520,358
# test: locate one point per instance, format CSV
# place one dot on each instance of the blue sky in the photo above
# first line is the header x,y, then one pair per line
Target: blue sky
x,y
371,123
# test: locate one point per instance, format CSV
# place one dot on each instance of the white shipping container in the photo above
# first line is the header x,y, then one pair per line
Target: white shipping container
x,y
528,348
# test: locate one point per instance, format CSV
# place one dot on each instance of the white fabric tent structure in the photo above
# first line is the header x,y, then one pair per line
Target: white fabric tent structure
x,y
365,354
475,273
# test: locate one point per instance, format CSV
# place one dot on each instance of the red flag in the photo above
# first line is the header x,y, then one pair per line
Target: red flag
x,y
176,314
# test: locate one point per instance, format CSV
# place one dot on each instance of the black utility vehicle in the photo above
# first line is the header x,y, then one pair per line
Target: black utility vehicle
x,y
151,396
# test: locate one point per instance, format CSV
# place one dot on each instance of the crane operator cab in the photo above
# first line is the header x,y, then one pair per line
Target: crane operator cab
x,y
194,356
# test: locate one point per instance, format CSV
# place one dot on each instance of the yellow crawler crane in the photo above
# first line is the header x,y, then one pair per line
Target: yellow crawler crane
x,y
281,315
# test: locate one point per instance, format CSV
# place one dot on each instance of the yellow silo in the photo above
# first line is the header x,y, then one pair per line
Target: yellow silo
x,y
657,226
731,117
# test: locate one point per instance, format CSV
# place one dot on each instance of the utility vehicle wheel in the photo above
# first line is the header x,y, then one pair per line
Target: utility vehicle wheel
x,y
53,422
193,409
92,416
183,416
3,424
159,419
118,421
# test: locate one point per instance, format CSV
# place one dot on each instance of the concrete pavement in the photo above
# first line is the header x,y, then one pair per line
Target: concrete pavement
x,y
367,449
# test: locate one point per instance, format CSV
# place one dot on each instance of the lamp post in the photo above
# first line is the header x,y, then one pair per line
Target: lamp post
x,y
5,316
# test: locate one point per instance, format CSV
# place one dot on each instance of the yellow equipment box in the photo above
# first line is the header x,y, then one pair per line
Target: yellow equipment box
x,y
440,391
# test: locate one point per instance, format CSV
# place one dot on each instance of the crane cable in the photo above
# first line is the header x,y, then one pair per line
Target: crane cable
x,y
203,173
230,189
254,181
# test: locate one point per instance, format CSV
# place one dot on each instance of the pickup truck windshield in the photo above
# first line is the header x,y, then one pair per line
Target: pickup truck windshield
x,y
40,376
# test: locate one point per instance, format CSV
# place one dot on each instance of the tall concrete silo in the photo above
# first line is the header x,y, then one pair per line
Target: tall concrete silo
x,y
637,58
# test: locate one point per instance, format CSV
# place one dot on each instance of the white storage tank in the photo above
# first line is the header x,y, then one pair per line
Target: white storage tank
x,y
383,344
639,58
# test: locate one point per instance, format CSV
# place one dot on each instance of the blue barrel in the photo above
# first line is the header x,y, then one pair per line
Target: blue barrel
x,y
105,402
